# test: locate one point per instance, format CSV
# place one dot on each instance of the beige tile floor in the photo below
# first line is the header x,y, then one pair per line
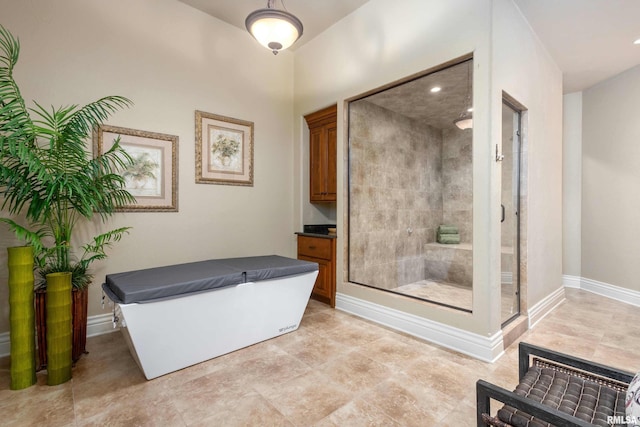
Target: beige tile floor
x,y
335,370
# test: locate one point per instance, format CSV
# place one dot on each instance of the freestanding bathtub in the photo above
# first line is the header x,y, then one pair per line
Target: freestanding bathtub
x,y
179,315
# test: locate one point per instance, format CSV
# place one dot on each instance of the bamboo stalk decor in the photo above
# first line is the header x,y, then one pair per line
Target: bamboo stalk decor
x,y
21,317
79,302
59,329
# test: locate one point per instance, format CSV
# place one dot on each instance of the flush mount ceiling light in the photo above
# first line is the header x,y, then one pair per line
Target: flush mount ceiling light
x,y
273,28
465,120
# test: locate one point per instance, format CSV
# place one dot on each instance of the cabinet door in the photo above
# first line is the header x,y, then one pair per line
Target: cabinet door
x,y
323,154
331,165
322,286
317,172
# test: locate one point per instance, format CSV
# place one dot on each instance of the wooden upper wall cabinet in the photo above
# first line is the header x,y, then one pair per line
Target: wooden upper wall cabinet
x,y
323,130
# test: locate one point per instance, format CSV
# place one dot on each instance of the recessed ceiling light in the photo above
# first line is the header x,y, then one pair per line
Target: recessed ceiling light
x,y
436,89
637,41
469,109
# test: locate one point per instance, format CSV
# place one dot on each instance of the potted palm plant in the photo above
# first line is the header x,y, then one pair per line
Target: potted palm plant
x,y
50,181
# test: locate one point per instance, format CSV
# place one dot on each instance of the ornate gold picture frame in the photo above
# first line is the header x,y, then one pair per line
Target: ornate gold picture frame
x,y
153,178
224,150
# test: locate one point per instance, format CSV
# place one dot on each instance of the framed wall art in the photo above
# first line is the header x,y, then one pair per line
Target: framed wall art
x,y
153,177
224,150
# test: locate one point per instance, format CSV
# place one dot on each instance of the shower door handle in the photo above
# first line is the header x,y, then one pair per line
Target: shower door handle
x,y
502,218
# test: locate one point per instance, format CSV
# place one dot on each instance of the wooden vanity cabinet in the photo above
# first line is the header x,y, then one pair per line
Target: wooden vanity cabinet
x,y
323,251
323,130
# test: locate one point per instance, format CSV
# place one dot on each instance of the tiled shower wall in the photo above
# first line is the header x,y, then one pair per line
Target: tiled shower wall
x,y
454,263
457,181
406,178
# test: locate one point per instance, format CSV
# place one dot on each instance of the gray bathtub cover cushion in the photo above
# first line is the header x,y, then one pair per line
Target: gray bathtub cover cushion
x,y
169,281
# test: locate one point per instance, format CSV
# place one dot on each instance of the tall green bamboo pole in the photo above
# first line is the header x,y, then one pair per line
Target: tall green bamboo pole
x,y
21,317
59,328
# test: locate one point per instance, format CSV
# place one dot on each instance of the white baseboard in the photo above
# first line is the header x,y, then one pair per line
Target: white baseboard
x,y
617,293
538,311
488,349
572,282
100,324
5,344
96,325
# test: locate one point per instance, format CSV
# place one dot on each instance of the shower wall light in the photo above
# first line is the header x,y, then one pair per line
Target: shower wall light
x,y
273,28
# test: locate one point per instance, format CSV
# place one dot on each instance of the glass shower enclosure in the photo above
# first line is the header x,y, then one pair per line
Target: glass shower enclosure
x,y
410,169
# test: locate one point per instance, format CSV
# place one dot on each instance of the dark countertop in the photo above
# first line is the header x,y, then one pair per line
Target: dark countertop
x,y
322,236
317,230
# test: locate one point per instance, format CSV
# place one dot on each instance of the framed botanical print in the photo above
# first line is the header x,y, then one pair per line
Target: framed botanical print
x,y
224,150
153,177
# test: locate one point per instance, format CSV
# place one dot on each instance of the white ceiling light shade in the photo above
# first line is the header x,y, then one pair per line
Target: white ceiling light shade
x,y
464,122
274,29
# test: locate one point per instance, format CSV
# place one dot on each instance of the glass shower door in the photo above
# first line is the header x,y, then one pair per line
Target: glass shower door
x,y
510,224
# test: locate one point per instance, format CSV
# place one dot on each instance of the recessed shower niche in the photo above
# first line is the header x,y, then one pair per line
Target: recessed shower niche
x,y
411,188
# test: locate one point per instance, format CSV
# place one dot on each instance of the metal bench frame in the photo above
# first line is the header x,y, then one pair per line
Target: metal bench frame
x,y
582,368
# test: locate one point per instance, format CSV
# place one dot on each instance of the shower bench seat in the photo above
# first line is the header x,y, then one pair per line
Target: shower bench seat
x,y
179,315
453,263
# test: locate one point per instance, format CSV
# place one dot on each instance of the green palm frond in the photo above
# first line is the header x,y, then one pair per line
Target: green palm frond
x,y
10,47
31,237
85,119
48,175
96,250
14,118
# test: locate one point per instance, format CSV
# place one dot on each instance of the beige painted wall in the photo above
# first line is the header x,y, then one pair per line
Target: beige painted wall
x,y
572,184
610,179
524,69
369,49
170,59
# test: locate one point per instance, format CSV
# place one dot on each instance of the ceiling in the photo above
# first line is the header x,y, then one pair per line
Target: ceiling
x,y
316,15
590,40
415,100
